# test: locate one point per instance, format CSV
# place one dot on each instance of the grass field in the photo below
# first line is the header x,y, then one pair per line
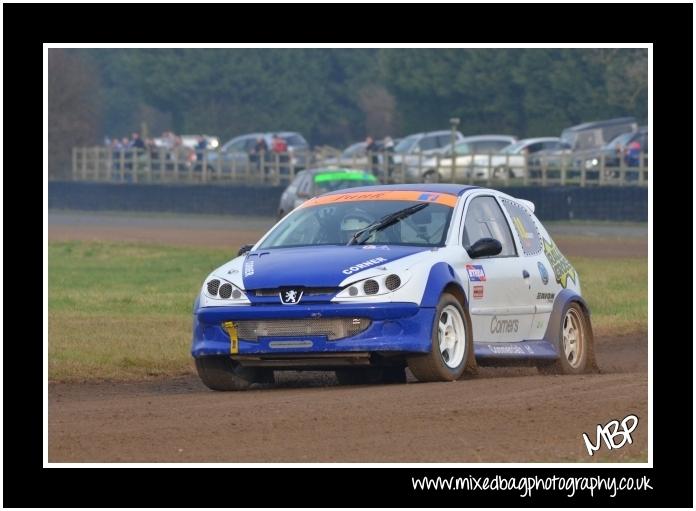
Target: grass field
x,y
123,310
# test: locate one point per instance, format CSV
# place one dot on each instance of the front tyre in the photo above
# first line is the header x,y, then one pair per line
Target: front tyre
x,y
575,344
221,373
451,352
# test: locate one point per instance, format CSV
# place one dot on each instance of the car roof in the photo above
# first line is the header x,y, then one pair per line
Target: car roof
x,y
479,138
428,133
600,124
328,170
539,139
452,189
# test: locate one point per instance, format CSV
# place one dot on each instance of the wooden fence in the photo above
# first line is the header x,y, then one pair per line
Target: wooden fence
x,y
187,166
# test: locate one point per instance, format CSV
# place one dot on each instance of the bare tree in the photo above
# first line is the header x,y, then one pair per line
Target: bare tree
x,y
379,108
74,108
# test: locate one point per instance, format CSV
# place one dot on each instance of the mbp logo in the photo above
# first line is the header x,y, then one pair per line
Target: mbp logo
x,y
609,432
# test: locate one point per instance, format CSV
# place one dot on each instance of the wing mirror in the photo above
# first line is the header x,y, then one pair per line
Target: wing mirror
x,y
484,247
244,249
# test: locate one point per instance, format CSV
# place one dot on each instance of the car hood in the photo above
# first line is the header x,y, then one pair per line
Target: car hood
x,y
323,266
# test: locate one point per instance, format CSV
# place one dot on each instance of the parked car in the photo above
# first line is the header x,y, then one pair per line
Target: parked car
x,y
239,151
312,182
513,159
474,156
413,147
371,280
354,155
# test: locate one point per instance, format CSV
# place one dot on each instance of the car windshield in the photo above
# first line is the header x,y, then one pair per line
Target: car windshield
x,y
620,141
335,223
331,181
406,144
295,140
513,148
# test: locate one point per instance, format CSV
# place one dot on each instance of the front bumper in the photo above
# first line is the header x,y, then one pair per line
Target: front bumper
x,y
395,327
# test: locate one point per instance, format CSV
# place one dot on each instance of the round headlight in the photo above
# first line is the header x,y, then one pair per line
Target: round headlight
x,y
371,287
225,290
352,290
213,286
392,282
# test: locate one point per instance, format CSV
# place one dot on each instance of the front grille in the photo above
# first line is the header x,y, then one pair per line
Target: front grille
x,y
307,291
332,328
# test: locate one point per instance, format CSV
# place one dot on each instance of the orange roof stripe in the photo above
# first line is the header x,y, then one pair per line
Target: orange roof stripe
x,y
417,196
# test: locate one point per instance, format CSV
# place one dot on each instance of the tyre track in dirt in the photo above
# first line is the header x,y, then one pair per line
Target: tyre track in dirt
x,y
502,415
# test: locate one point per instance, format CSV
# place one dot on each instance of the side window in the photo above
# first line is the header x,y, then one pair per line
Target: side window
x,y
305,185
462,148
237,146
428,143
525,226
445,140
250,144
533,148
485,219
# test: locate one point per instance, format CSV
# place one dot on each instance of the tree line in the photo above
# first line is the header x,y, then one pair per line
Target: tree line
x,y
336,96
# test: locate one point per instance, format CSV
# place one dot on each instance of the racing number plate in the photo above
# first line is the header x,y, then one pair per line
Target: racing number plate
x,y
234,340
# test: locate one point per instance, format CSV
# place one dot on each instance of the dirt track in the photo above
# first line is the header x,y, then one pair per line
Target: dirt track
x,y
232,232
503,415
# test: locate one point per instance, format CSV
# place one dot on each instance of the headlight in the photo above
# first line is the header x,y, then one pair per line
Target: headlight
x,y
591,163
374,286
222,292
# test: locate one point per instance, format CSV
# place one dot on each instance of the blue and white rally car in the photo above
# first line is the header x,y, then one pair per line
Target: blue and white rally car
x,y
368,281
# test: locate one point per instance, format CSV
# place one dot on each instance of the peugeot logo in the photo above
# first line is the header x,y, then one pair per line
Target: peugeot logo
x,y
290,296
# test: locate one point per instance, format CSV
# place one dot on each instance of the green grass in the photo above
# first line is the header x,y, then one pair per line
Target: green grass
x,y
123,310
616,291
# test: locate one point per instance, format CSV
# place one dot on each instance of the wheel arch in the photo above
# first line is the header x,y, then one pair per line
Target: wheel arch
x,y
553,328
443,278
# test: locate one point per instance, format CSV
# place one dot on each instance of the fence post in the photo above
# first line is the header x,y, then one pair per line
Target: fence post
x,y
641,168
489,171
135,167
205,166
583,176
74,163
563,171
525,170
544,173
176,164
218,164
622,170
602,170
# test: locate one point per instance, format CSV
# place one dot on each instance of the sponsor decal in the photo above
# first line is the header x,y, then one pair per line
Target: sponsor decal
x,y
363,265
544,274
476,273
249,268
562,269
290,296
429,197
546,296
504,326
375,247
445,199
478,291
506,350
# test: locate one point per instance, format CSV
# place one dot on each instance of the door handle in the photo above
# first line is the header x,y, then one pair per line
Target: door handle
x,y
525,274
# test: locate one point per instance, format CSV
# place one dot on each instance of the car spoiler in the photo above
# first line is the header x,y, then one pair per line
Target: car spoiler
x,y
529,204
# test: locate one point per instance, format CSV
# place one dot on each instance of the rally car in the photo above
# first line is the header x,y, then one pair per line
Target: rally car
x,y
367,281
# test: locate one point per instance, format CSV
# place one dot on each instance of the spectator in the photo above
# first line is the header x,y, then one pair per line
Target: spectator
x,y
260,153
389,154
279,145
137,142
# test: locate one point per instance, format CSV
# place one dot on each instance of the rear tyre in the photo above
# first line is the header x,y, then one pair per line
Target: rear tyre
x,y
222,373
575,344
452,347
